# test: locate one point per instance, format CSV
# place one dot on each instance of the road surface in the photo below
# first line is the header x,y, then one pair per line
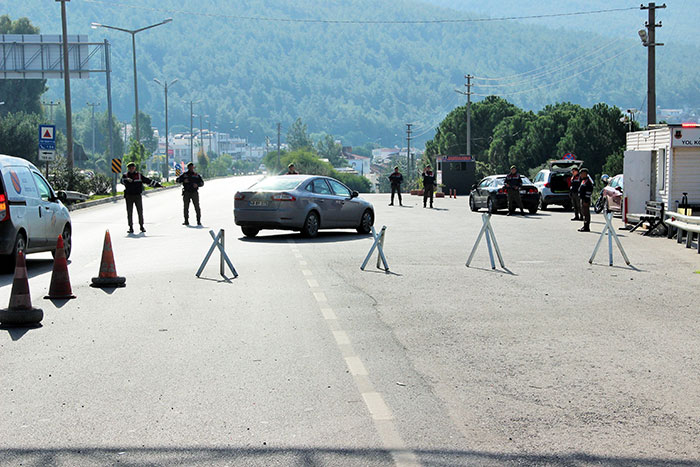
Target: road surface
x,y
306,360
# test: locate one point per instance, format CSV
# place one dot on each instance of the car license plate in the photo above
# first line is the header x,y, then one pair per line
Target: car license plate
x,y
258,203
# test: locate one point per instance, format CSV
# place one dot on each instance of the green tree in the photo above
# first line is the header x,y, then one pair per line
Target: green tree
x,y
306,162
19,135
146,132
203,162
298,136
221,166
327,148
20,95
137,154
501,153
273,161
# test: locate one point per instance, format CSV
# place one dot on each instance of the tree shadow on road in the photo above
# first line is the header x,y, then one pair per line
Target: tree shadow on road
x,y
313,456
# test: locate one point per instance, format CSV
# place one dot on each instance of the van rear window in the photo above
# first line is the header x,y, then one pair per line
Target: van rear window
x,y
18,182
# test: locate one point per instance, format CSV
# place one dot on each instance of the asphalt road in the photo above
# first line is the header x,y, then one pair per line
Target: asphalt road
x,y
306,360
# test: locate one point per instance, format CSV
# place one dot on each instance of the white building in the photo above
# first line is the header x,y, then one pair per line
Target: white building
x,y
663,163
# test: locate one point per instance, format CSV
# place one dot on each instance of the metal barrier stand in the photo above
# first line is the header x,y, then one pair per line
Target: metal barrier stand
x,y
219,242
610,231
379,245
487,229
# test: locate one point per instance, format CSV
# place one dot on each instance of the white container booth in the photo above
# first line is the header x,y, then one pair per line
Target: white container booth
x,y
660,165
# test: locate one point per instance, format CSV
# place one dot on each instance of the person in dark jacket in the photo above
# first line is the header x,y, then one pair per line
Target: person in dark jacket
x,y
396,179
585,190
428,185
191,181
291,170
133,187
512,185
575,182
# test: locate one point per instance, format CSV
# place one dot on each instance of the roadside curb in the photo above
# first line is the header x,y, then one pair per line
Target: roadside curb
x,y
117,198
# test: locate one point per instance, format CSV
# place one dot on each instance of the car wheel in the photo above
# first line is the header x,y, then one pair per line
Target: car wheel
x,y
606,206
67,242
542,204
472,204
366,222
311,225
490,206
8,263
250,232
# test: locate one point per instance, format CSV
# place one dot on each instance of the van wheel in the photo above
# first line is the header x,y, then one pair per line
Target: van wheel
x,y
8,263
311,224
67,242
250,232
366,222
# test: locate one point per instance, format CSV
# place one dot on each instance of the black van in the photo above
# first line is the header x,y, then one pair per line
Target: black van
x,y
31,215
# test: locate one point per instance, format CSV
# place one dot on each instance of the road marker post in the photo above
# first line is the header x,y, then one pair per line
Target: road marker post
x,y
610,231
487,229
379,245
219,242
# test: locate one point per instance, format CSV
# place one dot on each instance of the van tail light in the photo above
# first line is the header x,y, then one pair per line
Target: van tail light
x,y
283,197
239,196
4,213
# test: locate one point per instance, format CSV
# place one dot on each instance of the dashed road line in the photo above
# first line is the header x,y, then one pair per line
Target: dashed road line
x,y
380,412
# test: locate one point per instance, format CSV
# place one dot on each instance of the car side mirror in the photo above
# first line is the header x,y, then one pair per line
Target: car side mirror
x,y
61,195
354,194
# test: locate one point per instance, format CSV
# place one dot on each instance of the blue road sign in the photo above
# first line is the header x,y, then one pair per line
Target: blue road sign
x,y
47,137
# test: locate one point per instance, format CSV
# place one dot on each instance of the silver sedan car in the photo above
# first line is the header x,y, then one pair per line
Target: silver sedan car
x,y
305,203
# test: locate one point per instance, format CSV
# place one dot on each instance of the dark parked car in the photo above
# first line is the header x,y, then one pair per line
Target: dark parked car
x,y
613,195
490,193
304,203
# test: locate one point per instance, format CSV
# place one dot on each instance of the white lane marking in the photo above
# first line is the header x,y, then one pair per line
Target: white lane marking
x,y
374,401
377,406
320,297
341,338
328,313
355,365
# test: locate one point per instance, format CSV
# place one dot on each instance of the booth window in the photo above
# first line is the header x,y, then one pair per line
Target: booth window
x,y
661,163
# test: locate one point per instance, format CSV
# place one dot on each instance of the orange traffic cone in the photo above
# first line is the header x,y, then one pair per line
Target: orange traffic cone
x,y
20,311
108,271
60,282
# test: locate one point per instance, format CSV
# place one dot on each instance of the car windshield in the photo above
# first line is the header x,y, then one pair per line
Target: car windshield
x,y
276,183
500,180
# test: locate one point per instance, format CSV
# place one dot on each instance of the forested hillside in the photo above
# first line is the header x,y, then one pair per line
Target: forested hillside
x,y
362,82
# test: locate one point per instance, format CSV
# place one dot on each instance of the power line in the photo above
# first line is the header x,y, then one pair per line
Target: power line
x,y
353,21
511,93
527,76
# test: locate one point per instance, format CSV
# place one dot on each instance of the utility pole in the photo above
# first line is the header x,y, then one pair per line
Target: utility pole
x,y
191,133
201,135
468,93
649,41
165,85
92,119
51,105
209,129
408,150
66,91
279,160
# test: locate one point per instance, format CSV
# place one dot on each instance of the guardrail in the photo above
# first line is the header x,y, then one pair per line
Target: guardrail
x,y
681,225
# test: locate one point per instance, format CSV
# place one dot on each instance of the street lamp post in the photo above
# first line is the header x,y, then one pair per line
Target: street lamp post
x,y
165,84
133,33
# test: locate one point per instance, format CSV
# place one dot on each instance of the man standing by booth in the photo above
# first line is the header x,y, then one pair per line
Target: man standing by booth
x,y
191,181
396,179
428,185
573,193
